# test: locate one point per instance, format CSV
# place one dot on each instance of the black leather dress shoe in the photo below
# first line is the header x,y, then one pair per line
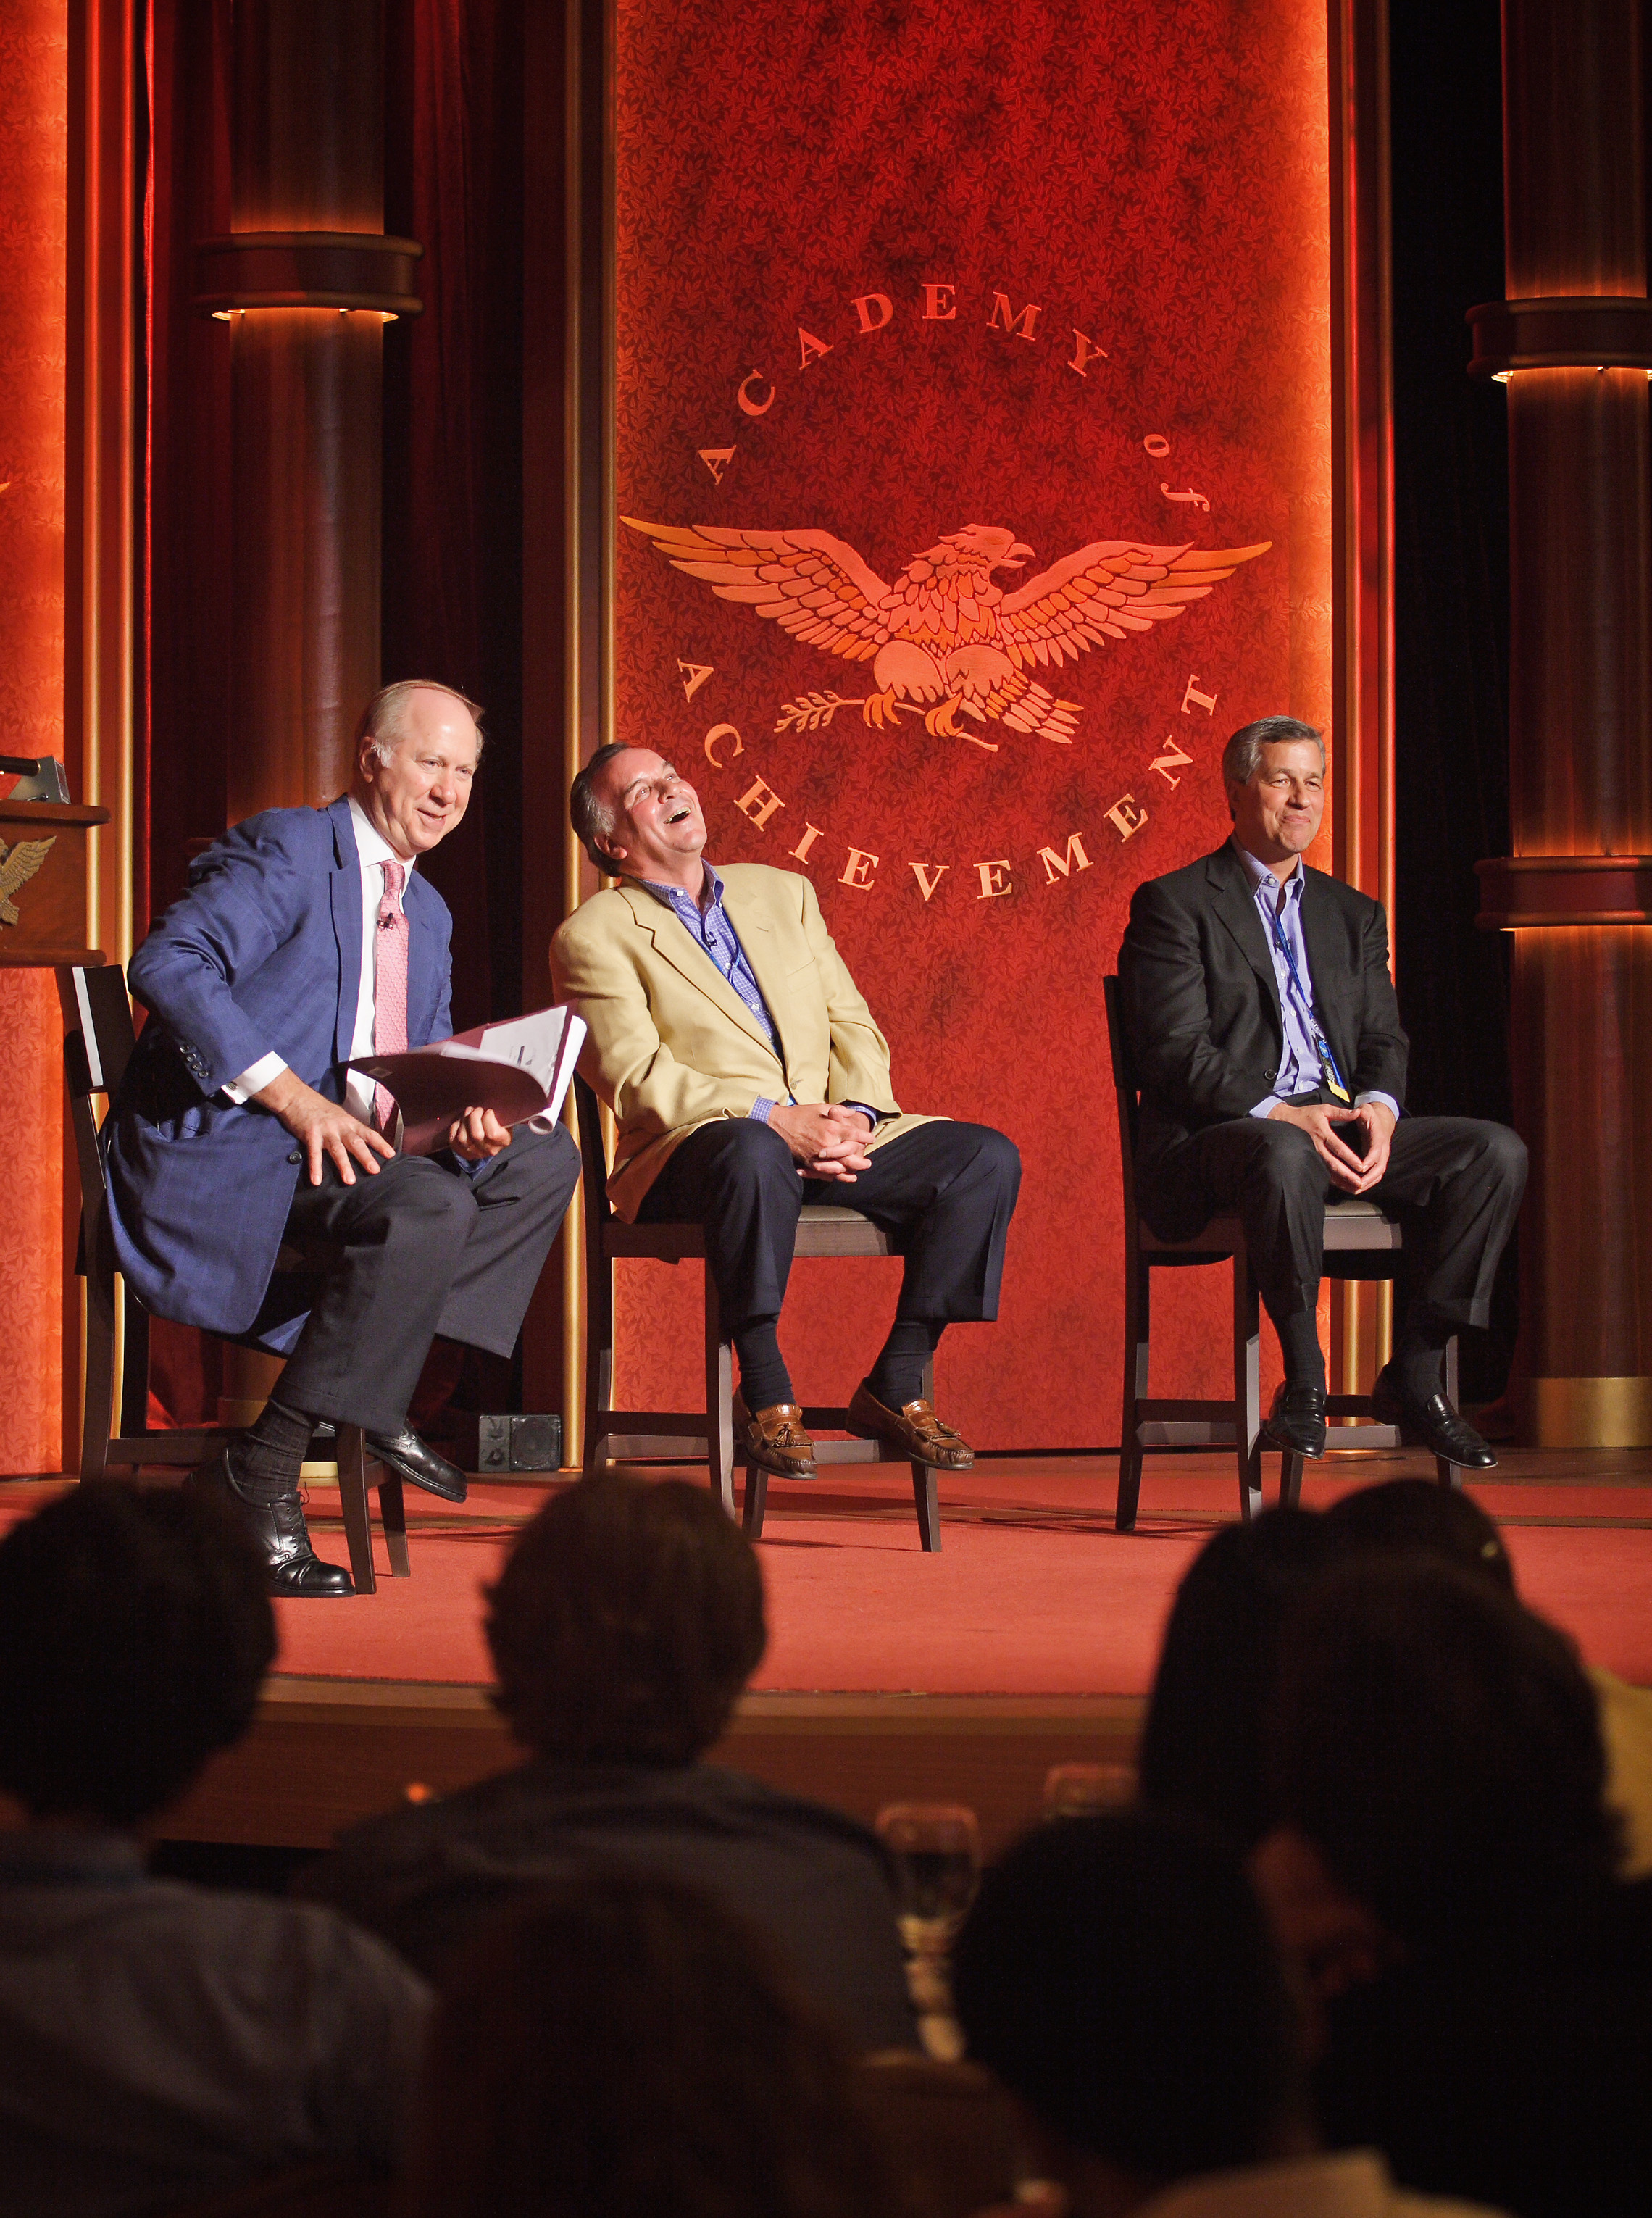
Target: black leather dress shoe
x,y
292,1566
417,1462
1295,1423
1433,1424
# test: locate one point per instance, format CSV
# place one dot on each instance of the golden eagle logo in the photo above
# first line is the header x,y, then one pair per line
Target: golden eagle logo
x,y
17,866
944,640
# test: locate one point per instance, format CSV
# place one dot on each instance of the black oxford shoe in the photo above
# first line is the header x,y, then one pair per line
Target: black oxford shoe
x,y
417,1462
1295,1423
1433,1424
291,1565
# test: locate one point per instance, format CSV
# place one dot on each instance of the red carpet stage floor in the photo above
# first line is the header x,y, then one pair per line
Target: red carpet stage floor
x,y
1029,1639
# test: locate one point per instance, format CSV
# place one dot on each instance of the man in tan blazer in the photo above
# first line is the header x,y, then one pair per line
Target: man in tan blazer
x,y
748,1077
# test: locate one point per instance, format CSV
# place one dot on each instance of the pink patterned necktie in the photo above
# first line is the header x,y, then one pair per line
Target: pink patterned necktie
x,y
389,987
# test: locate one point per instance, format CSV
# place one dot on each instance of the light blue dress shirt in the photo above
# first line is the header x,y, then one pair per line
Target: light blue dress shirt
x,y
712,928
1299,1065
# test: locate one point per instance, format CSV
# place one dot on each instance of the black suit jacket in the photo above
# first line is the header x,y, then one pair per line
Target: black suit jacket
x,y
1202,1006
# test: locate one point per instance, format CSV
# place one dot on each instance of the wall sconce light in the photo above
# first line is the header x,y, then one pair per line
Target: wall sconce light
x,y
1596,331
357,273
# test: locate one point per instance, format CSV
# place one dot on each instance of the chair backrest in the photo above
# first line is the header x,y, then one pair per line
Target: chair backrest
x,y
1126,1093
99,1036
593,1154
97,1043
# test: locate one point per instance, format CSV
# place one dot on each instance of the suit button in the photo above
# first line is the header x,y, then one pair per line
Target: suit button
x,y
296,1157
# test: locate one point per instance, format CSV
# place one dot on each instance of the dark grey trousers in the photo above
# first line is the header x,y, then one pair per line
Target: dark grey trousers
x,y
945,1193
1454,1182
418,1250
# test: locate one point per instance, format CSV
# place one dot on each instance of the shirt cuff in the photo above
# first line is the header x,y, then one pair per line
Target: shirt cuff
x,y
254,1078
762,1110
1387,1100
1266,1106
872,1117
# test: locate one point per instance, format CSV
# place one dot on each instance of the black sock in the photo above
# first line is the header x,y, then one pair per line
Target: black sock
x,y
764,1379
266,1461
1419,1359
897,1376
1299,1339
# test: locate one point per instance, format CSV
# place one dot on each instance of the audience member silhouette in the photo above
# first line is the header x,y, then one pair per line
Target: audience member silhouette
x,y
623,2046
1419,1517
623,1628
160,2042
1445,1870
1203,1743
1118,1974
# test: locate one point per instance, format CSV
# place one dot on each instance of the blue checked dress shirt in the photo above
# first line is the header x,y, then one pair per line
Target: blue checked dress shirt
x,y
710,928
1299,1066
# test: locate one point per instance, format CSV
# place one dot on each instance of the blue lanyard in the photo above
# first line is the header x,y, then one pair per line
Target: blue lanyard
x,y
1315,1029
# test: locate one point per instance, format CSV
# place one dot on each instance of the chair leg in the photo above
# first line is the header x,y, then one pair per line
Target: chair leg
x,y
1449,1475
1248,1387
392,1515
926,1498
599,1365
352,1498
1291,1482
1138,1311
757,1499
99,1419
719,1401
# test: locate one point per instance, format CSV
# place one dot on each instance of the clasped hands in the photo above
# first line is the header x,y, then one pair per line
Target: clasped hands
x,y
1351,1172
326,1129
827,1140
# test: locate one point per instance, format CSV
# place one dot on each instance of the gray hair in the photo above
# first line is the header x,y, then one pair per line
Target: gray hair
x,y
1243,751
590,813
382,719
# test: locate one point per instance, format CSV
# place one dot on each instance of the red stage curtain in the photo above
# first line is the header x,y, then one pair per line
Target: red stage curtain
x,y
886,274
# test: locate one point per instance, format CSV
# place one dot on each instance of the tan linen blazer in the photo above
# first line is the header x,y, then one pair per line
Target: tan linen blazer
x,y
672,1046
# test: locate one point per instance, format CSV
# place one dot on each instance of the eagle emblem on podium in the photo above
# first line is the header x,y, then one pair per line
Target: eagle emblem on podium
x,y
17,866
945,641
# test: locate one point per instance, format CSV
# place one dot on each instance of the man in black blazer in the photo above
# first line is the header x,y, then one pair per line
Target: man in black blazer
x,y
1272,1060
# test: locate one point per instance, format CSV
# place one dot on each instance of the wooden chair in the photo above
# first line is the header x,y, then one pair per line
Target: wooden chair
x,y
98,1041
949,2133
635,1435
1360,1243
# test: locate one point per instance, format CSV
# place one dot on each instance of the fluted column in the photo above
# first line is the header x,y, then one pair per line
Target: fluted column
x,y
1572,340
305,281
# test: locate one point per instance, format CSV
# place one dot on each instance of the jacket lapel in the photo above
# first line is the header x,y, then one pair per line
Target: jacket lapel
x,y
757,937
424,959
345,888
1236,904
672,942
1327,965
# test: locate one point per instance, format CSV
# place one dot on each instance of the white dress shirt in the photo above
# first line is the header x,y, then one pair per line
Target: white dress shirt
x,y
374,853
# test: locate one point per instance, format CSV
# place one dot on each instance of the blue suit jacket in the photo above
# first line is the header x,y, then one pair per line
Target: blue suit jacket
x,y
263,954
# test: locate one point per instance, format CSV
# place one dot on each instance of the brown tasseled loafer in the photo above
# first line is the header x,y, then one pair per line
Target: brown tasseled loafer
x,y
913,1428
775,1438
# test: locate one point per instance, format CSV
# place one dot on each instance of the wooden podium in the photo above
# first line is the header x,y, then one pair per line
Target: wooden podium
x,y
43,865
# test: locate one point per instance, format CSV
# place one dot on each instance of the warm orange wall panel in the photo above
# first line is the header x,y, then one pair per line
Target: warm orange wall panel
x,y
33,234
883,274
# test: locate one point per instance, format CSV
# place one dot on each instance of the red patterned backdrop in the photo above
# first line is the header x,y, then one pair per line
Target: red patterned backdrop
x,y
887,274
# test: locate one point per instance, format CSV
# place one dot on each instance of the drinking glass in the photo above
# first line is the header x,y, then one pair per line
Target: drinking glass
x,y
1078,1790
935,1847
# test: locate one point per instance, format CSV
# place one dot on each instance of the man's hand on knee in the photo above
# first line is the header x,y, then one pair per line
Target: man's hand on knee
x,y
478,1135
323,1127
1347,1170
826,1140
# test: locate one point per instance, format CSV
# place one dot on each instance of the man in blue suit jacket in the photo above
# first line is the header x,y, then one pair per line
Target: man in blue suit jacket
x,y
240,1129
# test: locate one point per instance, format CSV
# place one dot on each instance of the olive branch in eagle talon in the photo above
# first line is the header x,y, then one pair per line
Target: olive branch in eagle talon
x,y
944,640
17,866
